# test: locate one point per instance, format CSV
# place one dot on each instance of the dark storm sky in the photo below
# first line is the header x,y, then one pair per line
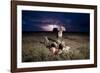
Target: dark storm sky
x,y
73,22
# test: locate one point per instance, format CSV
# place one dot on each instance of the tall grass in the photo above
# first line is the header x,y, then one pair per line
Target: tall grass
x,y
34,51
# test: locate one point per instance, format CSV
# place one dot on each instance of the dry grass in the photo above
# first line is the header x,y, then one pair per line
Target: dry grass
x,y
34,50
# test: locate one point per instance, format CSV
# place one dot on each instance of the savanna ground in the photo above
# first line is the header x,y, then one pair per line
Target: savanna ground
x,y
34,49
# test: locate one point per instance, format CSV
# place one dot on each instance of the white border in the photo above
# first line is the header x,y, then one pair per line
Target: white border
x,y
53,63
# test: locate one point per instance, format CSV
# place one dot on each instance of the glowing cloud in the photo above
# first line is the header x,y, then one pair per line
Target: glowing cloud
x,y
50,27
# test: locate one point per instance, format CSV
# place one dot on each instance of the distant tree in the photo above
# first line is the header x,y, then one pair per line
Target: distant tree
x,y
55,30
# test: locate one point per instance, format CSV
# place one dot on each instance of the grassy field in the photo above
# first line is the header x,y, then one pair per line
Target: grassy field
x,y
34,50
